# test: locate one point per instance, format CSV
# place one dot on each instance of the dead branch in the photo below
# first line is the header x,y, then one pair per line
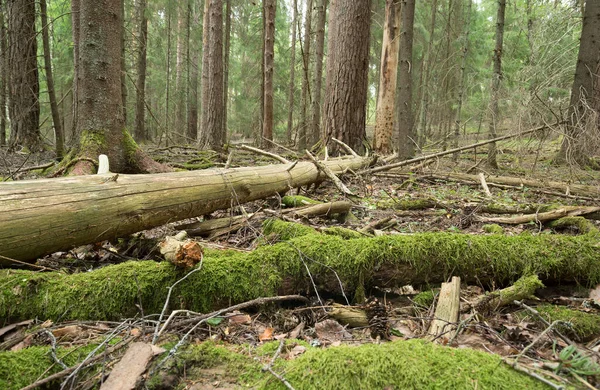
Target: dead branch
x,y
264,153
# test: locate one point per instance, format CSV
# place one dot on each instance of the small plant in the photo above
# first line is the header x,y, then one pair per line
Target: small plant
x,y
573,361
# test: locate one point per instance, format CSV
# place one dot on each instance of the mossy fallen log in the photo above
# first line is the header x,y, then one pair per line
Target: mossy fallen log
x,y
39,217
229,277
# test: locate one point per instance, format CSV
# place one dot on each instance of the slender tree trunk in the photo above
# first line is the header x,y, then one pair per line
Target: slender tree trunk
x,y
24,88
58,130
204,135
404,119
214,111
384,125
192,128
3,75
226,51
258,132
123,71
305,99
168,78
269,37
142,44
449,74
582,132
424,93
463,73
315,133
347,74
496,79
290,123
75,8
180,87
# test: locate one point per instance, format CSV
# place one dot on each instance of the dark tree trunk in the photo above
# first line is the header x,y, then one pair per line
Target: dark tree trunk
x,y
315,127
24,89
347,74
226,50
58,130
384,125
192,126
269,44
463,73
123,71
290,123
424,93
75,8
582,133
496,79
180,85
142,42
213,112
205,73
404,119
304,102
3,75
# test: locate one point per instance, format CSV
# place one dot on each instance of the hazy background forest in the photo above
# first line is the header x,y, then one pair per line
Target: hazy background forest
x,y
451,70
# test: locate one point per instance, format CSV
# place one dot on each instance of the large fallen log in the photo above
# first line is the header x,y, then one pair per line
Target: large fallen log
x,y
229,277
39,217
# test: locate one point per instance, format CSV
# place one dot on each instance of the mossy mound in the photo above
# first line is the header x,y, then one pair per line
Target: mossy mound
x,y
584,326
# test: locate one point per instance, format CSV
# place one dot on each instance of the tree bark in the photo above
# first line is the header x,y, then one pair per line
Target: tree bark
x,y
75,9
269,60
214,111
384,125
424,93
123,71
3,75
180,85
192,125
226,52
581,136
43,216
24,88
292,88
142,41
305,97
347,74
315,125
205,73
463,73
496,79
404,119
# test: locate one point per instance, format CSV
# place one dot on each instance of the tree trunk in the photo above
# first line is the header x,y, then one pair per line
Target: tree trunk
x,y
269,53
204,135
461,86
384,125
168,78
3,75
404,119
192,124
58,130
290,123
39,217
581,136
226,52
24,88
142,42
180,85
123,71
496,79
315,127
75,8
305,97
424,93
213,112
347,75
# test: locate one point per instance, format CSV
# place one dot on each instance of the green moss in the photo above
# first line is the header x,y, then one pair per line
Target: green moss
x,y
284,230
424,299
345,233
297,201
22,368
192,167
493,229
582,224
406,204
585,326
130,148
414,364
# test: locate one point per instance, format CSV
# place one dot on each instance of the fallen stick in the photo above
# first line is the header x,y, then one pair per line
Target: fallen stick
x,y
264,153
571,211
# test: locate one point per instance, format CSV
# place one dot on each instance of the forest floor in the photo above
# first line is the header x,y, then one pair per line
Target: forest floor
x,y
550,339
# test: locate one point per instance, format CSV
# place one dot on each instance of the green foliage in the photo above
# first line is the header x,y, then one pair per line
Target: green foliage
x,y
583,325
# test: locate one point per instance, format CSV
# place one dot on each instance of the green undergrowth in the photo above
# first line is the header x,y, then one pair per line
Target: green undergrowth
x,y
21,368
279,266
414,364
583,326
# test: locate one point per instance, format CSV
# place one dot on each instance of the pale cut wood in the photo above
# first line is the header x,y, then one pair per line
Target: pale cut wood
x,y
484,185
131,366
446,312
565,211
39,217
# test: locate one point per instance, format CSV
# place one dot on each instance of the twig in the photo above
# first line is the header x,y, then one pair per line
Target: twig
x,y
329,173
162,313
279,146
346,147
486,189
543,320
269,367
26,264
522,369
53,349
264,153
229,158
538,338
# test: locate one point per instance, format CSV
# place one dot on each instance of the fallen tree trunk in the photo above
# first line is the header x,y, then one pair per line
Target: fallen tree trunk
x,y
229,277
565,211
39,217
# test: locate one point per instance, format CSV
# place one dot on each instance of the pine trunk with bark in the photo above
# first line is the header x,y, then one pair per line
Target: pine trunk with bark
x,y
496,79
463,73
315,125
269,61
75,8
192,120
24,88
404,118
582,132
384,125
424,93
3,75
213,113
305,97
226,55
347,74
203,139
142,42
180,84
292,88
